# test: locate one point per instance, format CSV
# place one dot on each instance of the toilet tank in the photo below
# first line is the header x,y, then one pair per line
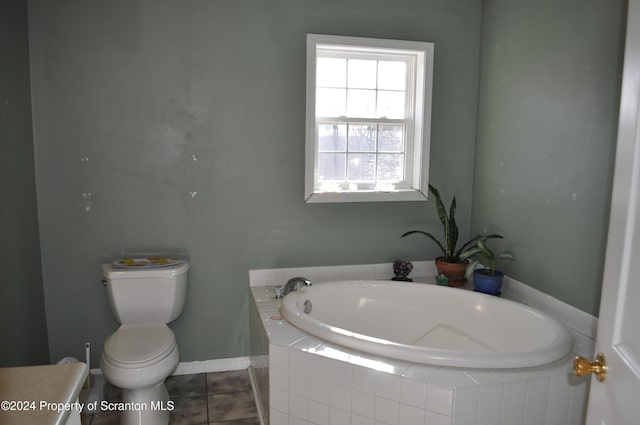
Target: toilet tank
x,y
146,295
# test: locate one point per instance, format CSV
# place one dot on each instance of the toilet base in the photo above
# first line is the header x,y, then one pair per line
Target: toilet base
x,y
150,406
144,396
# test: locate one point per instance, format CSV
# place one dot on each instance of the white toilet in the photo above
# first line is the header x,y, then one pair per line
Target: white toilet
x,y
143,352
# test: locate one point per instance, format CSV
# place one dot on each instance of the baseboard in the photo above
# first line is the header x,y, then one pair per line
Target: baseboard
x,y
215,365
206,366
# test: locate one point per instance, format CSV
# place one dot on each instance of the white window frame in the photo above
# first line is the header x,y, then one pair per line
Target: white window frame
x,y
415,185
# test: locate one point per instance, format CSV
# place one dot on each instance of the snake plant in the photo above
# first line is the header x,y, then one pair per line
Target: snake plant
x,y
449,248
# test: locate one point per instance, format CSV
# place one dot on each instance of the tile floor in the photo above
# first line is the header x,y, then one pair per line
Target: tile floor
x,y
221,398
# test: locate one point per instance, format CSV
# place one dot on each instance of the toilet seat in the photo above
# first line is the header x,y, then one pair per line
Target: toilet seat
x,y
135,346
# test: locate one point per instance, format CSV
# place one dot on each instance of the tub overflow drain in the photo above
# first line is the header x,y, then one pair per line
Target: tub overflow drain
x,y
307,307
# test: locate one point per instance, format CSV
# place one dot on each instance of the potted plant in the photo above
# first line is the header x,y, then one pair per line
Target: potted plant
x,y
487,278
450,264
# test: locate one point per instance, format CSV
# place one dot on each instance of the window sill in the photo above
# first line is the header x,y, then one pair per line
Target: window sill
x,y
367,196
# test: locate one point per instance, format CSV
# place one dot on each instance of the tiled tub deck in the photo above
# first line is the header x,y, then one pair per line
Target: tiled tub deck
x,y
303,380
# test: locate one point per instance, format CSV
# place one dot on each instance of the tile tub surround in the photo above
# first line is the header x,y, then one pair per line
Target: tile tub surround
x,y
313,382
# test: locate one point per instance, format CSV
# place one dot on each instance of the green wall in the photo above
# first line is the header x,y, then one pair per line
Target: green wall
x,y
23,329
547,121
179,125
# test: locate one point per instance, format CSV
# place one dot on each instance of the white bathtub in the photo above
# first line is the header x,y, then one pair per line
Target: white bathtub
x,y
428,324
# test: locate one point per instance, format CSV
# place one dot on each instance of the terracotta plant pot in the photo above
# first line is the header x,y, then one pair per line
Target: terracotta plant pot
x,y
453,271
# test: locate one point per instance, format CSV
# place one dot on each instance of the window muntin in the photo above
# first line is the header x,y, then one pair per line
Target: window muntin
x,y
367,119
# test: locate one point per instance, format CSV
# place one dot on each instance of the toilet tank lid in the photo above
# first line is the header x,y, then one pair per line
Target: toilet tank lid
x,y
111,272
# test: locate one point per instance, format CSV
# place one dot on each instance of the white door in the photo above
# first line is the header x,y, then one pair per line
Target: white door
x,y
616,400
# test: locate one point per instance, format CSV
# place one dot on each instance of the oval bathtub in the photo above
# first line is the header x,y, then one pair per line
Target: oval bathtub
x,y
429,324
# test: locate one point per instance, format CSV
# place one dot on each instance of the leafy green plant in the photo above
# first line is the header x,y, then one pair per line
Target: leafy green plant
x,y
449,248
482,254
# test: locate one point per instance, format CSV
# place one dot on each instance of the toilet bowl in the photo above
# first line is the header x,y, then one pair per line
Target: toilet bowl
x,y
143,352
139,365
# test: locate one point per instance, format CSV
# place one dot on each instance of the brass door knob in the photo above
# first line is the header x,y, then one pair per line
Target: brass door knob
x,y
582,366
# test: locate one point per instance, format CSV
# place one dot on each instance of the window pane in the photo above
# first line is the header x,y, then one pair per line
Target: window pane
x,y
390,167
361,103
331,167
391,138
330,102
362,138
361,167
366,137
392,75
362,74
331,72
332,137
391,104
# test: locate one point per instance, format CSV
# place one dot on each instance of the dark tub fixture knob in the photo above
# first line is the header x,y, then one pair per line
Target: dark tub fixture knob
x,y
307,307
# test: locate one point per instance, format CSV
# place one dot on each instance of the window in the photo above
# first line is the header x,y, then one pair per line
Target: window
x,y
368,119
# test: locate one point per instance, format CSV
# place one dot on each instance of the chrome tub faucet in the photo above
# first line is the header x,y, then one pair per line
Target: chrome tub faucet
x,y
292,285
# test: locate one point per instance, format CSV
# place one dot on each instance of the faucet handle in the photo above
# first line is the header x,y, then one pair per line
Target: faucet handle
x,y
278,290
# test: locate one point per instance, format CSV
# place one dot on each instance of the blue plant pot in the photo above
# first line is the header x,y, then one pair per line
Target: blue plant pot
x,y
486,283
